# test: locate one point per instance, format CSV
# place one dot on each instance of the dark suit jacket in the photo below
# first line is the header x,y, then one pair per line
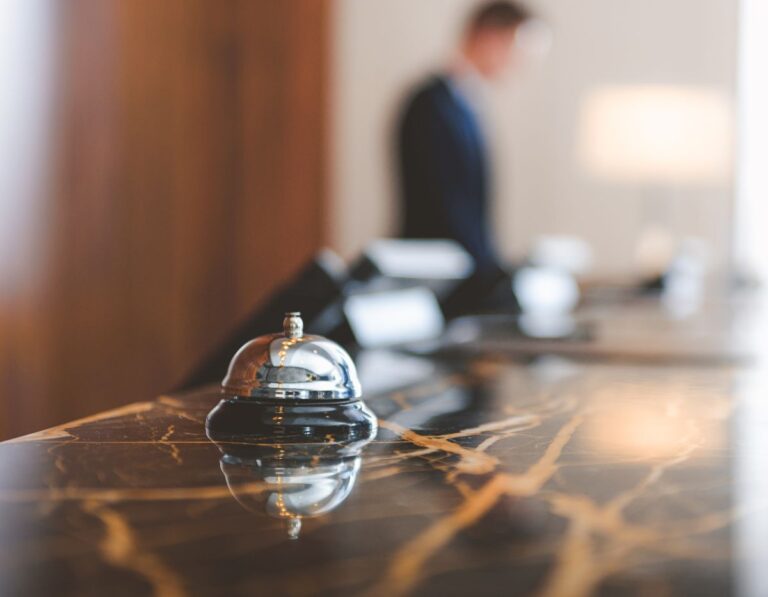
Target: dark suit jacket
x,y
444,171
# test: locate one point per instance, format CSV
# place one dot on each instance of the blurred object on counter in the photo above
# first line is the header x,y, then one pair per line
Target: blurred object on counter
x,y
547,297
684,282
654,253
436,259
394,317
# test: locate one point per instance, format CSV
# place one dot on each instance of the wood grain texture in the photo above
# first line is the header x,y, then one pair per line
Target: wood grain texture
x,y
188,179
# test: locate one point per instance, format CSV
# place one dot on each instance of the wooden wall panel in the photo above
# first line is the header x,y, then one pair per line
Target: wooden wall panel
x,y
189,179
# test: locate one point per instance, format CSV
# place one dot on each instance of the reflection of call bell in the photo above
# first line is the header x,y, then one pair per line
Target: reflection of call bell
x,y
299,481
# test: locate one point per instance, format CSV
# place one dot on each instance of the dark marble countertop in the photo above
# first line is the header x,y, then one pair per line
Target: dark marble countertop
x,y
486,478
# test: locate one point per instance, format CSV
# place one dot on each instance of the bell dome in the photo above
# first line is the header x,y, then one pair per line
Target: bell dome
x,y
293,387
292,365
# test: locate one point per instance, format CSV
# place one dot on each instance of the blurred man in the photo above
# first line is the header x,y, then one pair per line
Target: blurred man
x,y
443,155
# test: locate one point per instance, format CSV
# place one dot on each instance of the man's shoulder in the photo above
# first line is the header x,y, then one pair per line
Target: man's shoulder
x,y
431,98
431,89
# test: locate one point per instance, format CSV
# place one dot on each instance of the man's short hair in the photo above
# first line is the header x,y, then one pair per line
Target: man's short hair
x,y
499,14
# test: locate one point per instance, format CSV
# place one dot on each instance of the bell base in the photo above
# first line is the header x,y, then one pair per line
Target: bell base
x,y
287,421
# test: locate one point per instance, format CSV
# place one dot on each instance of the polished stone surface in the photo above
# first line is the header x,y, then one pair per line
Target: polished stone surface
x,y
486,478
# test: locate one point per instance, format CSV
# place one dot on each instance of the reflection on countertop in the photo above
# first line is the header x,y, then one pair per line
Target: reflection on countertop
x,y
551,477
300,478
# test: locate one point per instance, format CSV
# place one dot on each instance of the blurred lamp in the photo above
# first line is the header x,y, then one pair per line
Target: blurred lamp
x,y
657,135
662,138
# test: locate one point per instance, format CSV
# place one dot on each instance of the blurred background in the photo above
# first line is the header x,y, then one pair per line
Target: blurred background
x,y
163,166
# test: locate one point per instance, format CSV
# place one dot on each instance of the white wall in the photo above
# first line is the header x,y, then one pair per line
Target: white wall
x,y
383,46
751,241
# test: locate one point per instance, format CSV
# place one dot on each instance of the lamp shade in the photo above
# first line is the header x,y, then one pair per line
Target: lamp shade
x,y
656,135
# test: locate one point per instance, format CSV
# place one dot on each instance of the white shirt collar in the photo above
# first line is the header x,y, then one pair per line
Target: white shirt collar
x,y
466,81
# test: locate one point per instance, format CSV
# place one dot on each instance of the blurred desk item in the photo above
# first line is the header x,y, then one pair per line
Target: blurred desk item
x,y
441,265
394,317
545,290
552,477
409,259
